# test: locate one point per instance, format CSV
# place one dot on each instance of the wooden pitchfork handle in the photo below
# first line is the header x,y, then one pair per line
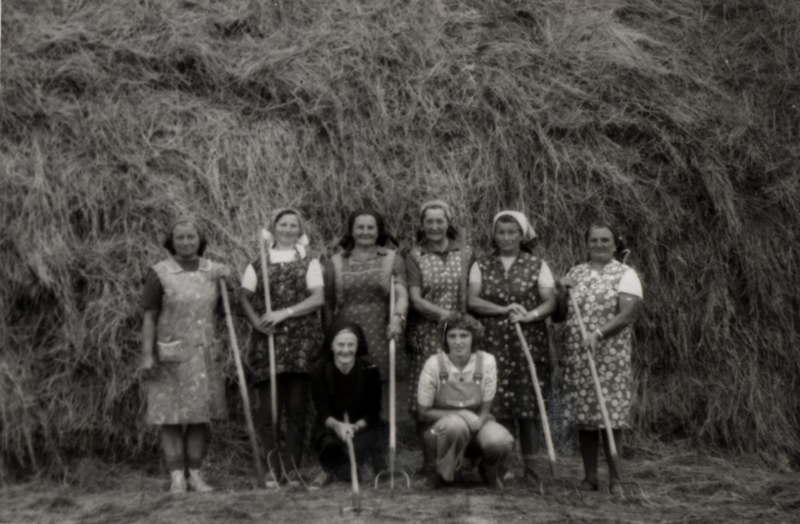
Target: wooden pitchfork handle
x,y
551,453
273,383
597,389
237,357
353,468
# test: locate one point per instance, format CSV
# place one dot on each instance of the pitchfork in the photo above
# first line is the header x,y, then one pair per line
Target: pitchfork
x,y
392,408
560,486
276,473
633,489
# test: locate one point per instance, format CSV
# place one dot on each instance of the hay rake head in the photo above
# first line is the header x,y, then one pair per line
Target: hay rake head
x,y
627,492
391,473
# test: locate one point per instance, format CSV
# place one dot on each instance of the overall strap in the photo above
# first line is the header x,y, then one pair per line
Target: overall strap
x,y
443,374
477,376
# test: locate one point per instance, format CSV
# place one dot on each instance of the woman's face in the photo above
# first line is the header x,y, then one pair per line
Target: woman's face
x,y
287,230
185,240
344,347
459,341
508,236
434,224
365,231
601,245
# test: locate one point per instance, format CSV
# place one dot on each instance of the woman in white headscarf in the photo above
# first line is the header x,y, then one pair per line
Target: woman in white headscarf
x,y
296,294
509,286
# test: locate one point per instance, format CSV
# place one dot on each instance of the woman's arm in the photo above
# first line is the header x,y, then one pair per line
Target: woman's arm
x,y
148,339
245,296
428,309
628,307
487,308
311,303
329,305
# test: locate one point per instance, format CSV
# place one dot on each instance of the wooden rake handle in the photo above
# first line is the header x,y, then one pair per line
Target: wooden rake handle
x,y
273,383
251,430
612,446
551,453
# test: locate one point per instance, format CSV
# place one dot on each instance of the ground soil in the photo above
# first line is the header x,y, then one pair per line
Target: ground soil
x,y
680,487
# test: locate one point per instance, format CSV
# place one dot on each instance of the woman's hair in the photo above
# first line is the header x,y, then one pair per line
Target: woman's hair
x,y
282,214
466,322
523,245
452,232
170,246
348,242
337,327
621,249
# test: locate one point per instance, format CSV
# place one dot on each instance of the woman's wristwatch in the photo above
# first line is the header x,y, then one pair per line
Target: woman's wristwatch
x,y
290,311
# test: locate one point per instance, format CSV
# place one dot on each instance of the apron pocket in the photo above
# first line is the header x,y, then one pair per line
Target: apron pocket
x,y
171,351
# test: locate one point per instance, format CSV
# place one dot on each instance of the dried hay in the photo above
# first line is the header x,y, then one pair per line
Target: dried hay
x,y
676,119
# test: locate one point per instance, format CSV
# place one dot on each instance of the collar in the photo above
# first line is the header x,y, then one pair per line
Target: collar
x,y
452,245
173,266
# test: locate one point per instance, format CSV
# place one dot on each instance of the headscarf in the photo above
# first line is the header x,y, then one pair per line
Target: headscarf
x,y
302,240
528,233
339,325
190,219
440,204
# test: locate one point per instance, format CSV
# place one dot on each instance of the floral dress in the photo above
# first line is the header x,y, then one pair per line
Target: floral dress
x,y
515,396
597,296
444,284
297,339
361,294
187,386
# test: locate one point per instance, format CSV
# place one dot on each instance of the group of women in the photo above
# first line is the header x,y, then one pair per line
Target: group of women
x,y
454,316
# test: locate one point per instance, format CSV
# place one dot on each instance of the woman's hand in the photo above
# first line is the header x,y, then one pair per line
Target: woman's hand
x,y
592,341
565,283
146,366
343,430
473,421
269,321
395,327
448,315
515,309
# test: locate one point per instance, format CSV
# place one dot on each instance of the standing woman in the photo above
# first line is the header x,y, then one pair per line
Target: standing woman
x,y
608,293
181,351
513,285
437,275
296,293
357,287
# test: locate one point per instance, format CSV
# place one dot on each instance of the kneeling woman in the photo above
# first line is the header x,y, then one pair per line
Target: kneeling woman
x,y
346,384
455,394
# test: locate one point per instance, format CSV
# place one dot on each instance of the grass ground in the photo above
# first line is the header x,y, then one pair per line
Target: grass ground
x,y
681,485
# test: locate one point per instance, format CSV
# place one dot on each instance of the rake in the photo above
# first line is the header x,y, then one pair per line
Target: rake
x,y
279,470
356,507
391,472
251,430
561,487
634,491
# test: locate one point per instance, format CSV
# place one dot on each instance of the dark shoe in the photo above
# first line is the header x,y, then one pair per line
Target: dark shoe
x,y
588,485
322,480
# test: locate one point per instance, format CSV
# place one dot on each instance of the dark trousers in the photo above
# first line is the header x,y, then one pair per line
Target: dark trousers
x,y
293,390
371,445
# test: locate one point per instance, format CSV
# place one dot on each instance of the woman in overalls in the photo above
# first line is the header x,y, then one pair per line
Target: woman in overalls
x,y
454,397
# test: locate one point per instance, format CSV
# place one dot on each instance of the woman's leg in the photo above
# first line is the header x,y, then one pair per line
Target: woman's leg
x,y
495,443
530,442
172,444
296,388
196,445
589,440
265,412
333,456
447,440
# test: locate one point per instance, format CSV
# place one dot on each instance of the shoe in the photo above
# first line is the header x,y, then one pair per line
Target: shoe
x,y
490,478
196,482
322,480
178,482
588,485
615,489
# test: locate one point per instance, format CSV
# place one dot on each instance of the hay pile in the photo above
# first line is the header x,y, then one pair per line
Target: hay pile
x,y
676,119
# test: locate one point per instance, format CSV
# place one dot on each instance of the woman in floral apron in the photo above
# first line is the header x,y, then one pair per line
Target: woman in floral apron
x,y
455,394
296,294
437,281
608,294
357,290
513,285
181,351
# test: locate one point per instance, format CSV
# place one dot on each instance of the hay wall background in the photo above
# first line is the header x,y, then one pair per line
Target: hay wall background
x,y
677,119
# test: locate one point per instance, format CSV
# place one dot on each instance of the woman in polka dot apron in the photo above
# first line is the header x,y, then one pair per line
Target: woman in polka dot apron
x,y
357,290
508,286
437,281
608,294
